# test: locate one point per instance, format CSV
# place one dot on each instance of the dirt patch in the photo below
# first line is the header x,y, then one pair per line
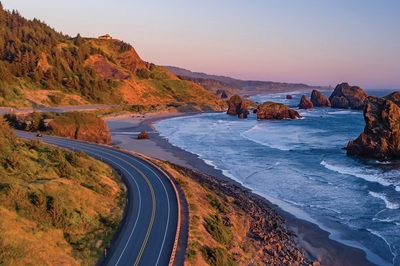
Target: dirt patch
x,y
105,68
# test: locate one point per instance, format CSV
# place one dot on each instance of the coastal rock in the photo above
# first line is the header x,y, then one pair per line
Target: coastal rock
x,y
289,97
305,103
319,100
272,110
81,126
346,96
224,95
237,106
394,97
143,135
381,136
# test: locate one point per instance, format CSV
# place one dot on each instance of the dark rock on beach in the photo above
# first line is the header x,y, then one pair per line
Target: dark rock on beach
x,y
319,100
346,96
272,110
143,135
381,136
305,103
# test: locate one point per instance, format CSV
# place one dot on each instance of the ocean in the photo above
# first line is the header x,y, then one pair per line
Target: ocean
x,y
300,166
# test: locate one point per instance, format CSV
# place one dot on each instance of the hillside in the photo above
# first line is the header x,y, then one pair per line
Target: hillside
x,y
54,202
42,67
215,83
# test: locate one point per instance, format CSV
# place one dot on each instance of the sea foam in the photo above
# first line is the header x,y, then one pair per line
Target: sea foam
x,y
368,175
389,205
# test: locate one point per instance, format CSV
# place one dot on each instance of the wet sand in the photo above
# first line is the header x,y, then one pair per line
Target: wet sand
x,y
315,241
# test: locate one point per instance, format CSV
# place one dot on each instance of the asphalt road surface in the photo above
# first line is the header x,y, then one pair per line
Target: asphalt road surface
x,y
148,230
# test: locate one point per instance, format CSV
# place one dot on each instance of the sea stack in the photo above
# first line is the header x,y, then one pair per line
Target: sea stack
x,y
319,100
381,136
237,106
346,96
305,103
272,110
394,97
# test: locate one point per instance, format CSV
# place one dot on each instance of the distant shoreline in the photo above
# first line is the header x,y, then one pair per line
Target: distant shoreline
x,y
309,236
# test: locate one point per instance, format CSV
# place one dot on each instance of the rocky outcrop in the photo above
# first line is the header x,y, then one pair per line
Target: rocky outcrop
x,y
381,136
237,106
346,96
319,100
81,126
394,97
289,97
272,110
305,103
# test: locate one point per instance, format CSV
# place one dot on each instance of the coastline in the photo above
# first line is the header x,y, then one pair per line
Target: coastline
x,y
310,236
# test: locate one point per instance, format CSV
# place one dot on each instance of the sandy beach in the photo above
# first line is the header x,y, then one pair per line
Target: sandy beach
x,y
315,241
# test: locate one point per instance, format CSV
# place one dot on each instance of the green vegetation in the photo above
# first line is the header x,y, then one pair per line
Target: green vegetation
x,y
214,225
34,55
218,256
55,202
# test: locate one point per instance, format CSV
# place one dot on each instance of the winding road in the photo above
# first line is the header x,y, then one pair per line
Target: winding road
x,y
148,230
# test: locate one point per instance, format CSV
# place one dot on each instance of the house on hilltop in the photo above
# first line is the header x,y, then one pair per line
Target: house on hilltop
x,y
105,37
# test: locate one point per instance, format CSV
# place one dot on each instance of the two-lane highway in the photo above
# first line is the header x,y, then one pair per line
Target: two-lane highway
x,y
147,233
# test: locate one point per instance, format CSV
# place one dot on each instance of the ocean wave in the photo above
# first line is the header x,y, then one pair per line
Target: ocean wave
x,y
389,205
387,220
370,175
344,112
376,233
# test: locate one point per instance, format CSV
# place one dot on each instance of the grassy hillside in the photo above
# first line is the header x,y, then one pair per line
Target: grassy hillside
x,y
54,202
40,66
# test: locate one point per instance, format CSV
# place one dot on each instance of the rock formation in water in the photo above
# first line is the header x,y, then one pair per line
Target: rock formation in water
x,y
289,97
319,100
271,110
305,103
346,96
381,136
394,97
238,106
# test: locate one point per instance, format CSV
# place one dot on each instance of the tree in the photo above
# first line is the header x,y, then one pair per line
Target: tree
x,y
78,40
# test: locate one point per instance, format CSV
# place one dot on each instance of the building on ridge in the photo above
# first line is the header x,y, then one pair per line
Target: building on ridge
x,y
105,37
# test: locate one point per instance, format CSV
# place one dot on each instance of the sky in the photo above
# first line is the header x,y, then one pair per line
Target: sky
x,y
317,42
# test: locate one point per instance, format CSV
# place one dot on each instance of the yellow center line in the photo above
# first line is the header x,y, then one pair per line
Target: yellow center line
x,y
153,213
153,199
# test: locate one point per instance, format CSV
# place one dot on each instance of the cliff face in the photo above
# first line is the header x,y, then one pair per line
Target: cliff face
x,y
271,110
346,96
81,126
381,136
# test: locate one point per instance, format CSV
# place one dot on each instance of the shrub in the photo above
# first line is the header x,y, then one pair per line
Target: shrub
x,y
215,227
